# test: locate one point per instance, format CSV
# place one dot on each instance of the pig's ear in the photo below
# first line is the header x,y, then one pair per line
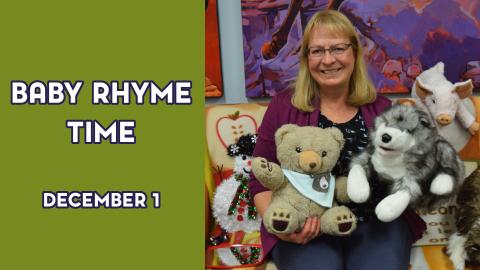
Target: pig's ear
x,y
421,89
439,67
463,89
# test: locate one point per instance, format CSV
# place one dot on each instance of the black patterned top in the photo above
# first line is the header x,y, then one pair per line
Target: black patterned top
x,y
355,133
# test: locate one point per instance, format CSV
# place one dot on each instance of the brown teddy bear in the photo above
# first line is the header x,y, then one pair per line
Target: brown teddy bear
x,y
302,185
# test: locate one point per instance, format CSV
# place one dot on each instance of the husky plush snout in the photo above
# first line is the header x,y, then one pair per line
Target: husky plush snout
x,y
391,140
397,130
406,156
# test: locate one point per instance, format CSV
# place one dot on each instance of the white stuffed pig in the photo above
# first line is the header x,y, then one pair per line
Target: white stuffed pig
x,y
444,100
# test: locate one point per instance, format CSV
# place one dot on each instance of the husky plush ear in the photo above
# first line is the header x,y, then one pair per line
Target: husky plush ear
x,y
425,119
421,89
425,122
282,131
337,135
463,89
378,121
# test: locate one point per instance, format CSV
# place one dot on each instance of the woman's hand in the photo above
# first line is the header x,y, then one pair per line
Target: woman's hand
x,y
311,229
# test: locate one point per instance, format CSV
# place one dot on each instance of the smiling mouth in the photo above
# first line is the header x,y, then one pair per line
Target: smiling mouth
x,y
387,149
330,71
246,171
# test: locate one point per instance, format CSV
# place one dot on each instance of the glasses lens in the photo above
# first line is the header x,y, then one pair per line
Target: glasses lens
x,y
316,52
339,49
335,50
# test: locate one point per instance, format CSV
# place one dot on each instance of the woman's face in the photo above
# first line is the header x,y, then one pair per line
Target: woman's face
x,y
330,70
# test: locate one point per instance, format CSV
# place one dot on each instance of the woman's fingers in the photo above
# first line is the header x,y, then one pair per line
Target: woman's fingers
x,y
310,230
318,229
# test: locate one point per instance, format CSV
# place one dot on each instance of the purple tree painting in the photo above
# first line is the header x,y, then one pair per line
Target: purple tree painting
x,y
400,39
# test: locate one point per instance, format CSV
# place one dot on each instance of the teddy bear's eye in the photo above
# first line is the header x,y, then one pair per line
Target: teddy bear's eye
x,y
298,149
433,100
400,118
244,157
324,153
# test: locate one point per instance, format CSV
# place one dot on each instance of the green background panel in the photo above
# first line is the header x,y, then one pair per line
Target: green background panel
x,y
101,40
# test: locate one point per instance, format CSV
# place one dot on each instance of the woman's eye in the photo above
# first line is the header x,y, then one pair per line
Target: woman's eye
x,y
298,149
337,51
324,153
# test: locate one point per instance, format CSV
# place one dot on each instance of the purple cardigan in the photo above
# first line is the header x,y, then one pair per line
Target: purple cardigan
x,y
281,111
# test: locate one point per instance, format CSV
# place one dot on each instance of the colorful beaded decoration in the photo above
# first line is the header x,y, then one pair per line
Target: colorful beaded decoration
x,y
243,255
242,199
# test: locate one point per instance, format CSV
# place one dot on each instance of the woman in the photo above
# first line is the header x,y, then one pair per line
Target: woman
x,y
333,89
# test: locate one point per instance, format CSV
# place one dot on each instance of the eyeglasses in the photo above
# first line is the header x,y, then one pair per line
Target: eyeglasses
x,y
335,50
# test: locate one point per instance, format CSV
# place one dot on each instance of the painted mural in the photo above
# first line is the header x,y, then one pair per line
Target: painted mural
x,y
401,38
213,67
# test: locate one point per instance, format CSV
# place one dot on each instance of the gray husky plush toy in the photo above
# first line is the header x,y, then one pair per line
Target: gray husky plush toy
x,y
414,164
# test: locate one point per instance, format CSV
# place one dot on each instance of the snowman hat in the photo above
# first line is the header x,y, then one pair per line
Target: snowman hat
x,y
244,146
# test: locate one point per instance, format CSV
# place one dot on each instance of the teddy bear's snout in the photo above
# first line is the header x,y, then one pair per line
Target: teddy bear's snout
x,y
310,161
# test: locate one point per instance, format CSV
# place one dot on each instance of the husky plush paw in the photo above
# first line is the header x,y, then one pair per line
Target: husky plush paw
x,y
442,184
392,206
456,250
358,188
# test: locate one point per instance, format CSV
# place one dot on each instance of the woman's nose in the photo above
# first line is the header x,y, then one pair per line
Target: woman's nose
x,y
328,58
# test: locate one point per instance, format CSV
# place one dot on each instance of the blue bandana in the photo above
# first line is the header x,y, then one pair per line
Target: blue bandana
x,y
318,188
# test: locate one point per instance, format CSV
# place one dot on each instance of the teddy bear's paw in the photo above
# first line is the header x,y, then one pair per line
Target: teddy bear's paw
x,y
338,221
442,184
281,221
268,173
261,167
341,190
392,206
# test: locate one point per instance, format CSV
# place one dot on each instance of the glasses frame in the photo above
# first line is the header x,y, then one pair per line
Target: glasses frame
x,y
329,50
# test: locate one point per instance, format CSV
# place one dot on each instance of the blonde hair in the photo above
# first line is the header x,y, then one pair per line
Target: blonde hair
x,y
306,88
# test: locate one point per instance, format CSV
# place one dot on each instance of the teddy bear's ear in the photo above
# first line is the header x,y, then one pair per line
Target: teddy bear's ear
x,y
282,131
337,135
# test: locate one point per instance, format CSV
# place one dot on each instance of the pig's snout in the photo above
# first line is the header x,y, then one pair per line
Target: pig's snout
x,y
444,119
